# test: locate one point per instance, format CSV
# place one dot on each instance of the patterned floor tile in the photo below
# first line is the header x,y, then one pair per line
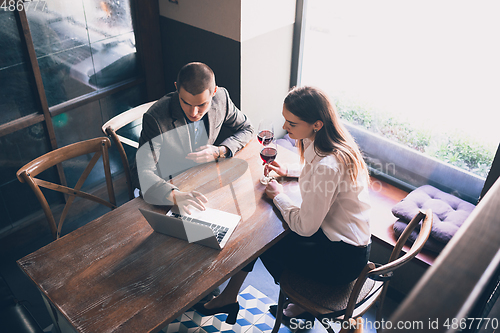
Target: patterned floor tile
x,y
253,303
253,317
266,323
183,324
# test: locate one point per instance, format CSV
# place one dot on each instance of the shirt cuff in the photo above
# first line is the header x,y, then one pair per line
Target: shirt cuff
x,y
283,202
293,170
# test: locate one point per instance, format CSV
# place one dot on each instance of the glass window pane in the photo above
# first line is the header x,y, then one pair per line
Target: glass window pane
x,y
19,148
116,104
61,42
10,43
82,46
61,82
116,61
424,75
17,87
69,129
108,18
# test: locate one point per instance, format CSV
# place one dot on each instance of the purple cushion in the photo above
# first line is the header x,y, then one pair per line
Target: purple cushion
x,y
449,211
431,244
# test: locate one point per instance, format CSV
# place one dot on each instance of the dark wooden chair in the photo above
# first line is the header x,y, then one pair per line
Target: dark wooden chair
x,y
27,174
113,125
347,302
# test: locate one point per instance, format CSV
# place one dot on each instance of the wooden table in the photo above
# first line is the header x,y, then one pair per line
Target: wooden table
x,y
116,275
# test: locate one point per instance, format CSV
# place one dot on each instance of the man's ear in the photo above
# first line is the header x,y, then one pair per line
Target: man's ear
x,y
215,90
175,84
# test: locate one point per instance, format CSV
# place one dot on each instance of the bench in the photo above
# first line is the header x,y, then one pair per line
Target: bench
x,y
383,197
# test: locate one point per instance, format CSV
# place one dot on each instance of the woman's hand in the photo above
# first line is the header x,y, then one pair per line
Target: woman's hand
x,y
193,198
273,189
276,167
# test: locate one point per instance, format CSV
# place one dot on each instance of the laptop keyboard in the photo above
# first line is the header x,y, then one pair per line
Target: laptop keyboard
x,y
219,230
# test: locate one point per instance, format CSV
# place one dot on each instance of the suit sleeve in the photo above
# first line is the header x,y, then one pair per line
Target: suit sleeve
x,y
154,188
238,123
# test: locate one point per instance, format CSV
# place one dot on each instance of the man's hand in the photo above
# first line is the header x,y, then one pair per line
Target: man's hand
x,y
193,198
205,154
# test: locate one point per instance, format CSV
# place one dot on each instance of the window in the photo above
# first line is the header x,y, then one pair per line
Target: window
x,y
66,67
422,75
82,46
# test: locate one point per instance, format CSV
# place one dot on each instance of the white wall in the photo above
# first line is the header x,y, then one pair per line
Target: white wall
x,y
221,17
259,17
266,51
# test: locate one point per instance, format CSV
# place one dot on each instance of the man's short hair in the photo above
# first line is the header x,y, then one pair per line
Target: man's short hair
x,y
195,78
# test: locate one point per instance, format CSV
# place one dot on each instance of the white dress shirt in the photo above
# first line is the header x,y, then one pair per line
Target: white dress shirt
x,y
330,200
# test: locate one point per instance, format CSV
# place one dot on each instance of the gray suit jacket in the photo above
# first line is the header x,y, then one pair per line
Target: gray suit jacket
x,y
165,141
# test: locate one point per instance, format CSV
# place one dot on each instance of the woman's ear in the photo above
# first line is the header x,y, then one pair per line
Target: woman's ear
x,y
317,125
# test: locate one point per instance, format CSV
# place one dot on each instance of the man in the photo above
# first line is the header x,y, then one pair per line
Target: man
x,y
198,123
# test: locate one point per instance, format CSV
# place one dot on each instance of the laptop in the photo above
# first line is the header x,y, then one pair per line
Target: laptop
x,y
211,227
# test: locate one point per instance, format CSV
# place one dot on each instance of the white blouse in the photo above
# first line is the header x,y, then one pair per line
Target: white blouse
x,y
330,200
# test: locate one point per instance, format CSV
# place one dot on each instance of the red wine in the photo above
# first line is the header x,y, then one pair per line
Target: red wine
x,y
265,137
268,154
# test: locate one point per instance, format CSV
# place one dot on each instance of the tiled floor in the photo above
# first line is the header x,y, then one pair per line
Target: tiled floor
x,y
253,317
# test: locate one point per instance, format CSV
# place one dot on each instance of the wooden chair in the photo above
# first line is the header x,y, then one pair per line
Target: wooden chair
x,y
347,302
113,125
27,174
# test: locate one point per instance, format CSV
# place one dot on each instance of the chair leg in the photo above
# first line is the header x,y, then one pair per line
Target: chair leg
x,y
279,312
329,329
381,302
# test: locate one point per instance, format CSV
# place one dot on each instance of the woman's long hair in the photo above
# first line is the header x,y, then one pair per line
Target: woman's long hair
x,y
310,105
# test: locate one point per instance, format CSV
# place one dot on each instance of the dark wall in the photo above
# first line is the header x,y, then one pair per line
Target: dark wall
x,y
182,43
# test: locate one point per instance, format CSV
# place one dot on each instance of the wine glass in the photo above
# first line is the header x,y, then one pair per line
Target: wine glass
x,y
265,133
268,154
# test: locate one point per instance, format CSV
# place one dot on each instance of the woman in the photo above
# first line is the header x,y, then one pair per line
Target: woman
x,y
330,241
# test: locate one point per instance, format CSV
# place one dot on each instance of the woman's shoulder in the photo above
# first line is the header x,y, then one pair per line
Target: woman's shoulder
x,y
329,161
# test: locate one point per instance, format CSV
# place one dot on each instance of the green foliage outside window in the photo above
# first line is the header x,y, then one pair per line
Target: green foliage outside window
x,y
455,148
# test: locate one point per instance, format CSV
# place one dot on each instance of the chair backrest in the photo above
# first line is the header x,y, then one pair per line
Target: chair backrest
x,y
27,174
114,124
384,272
425,231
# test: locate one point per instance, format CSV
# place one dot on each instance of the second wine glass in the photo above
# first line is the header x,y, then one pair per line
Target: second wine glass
x,y
268,154
265,133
